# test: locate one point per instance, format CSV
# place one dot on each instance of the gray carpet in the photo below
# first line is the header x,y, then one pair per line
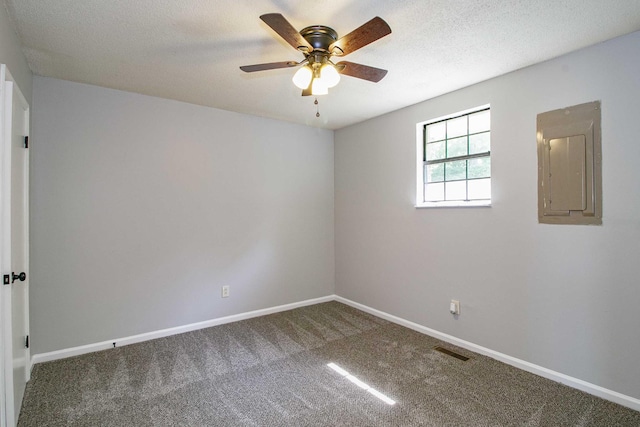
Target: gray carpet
x,y
272,371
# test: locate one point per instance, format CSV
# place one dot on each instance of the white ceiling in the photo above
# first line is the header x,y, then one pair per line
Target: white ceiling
x,y
190,50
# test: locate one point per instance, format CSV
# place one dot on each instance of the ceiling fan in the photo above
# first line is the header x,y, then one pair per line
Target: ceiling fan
x,y
318,43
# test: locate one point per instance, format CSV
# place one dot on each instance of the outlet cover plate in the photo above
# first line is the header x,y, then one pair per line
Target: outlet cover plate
x,y
454,307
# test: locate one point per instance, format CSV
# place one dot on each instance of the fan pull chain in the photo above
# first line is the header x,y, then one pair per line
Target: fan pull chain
x,y
317,107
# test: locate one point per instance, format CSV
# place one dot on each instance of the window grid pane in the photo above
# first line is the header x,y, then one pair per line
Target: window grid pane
x,y
455,171
479,167
434,173
479,189
436,150
434,192
457,127
457,147
479,122
466,138
436,132
456,190
479,143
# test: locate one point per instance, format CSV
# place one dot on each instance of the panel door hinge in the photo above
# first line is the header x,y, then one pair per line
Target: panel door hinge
x,y
26,342
26,142
6,279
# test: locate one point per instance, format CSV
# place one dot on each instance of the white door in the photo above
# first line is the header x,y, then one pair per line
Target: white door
x,y
15,247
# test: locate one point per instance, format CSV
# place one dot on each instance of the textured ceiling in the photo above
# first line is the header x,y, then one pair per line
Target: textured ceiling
x,y
190,50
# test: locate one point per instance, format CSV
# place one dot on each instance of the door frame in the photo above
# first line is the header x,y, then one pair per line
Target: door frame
x,y
8,418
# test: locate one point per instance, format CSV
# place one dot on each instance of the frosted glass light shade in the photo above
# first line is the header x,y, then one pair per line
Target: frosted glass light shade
x,y
318,87
329,75
302,77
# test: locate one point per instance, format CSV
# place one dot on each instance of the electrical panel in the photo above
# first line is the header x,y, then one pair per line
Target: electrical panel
x,y
570,165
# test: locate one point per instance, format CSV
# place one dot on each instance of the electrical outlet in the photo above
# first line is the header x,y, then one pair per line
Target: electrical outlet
x,y
225,291
454,307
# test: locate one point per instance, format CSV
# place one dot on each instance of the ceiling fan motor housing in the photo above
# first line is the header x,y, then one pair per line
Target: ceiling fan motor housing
x,y
320,37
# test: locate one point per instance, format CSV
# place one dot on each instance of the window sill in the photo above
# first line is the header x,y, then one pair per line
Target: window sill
x,y
456,204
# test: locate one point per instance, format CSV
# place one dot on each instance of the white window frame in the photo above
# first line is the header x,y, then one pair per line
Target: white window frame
x,y
420,166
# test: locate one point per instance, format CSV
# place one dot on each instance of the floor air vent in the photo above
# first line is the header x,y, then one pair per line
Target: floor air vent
x,y
451,353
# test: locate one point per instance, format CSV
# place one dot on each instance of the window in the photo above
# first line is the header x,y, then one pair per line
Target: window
x,y
454,160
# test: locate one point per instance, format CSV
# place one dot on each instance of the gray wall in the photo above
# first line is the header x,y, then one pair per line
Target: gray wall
x,y
12,56
562,297
142,208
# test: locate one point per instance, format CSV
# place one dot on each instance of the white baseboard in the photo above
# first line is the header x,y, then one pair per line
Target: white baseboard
x,y
576,383
596,390
119,342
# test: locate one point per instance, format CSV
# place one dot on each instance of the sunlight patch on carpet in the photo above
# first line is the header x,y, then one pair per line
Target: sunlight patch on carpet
x,y
361,384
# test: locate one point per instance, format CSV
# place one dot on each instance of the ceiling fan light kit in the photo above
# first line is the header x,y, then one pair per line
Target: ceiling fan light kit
x,y
318,43
318,77
330,75
318,87
302,78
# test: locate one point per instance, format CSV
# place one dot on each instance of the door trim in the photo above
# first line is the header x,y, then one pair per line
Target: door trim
x,y
9,418
5,250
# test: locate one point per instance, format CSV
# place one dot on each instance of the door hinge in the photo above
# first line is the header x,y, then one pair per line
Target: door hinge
x,y
6,279
26,342
26,142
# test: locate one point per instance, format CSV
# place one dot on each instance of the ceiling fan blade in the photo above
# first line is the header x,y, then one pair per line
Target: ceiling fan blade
x,y
268,66
361,36
280,25
360,71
